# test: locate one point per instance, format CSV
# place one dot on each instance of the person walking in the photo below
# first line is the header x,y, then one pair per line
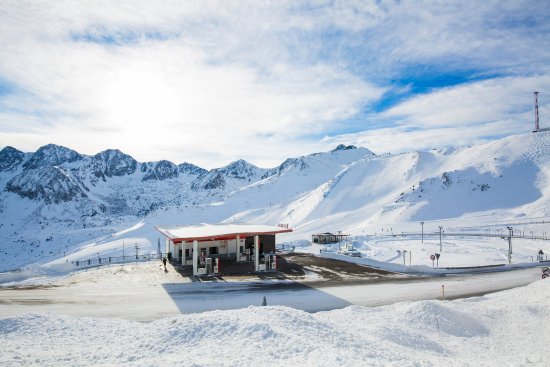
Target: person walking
x,y
164,263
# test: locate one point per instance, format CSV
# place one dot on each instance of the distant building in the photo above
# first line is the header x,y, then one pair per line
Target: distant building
x,y
204,246
327,237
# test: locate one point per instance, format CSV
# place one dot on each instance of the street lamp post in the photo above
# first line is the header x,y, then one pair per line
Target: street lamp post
x,y
422,224
440,245
510,234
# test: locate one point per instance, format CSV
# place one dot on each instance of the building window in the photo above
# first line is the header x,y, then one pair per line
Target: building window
x,y
213,250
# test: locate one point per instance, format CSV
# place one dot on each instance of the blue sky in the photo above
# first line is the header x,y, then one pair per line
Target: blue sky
x,y
209,82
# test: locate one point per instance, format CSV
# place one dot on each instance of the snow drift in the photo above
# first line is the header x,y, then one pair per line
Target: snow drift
x,y
506,328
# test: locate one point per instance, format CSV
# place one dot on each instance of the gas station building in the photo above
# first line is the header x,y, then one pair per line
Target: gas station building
x,y
206,247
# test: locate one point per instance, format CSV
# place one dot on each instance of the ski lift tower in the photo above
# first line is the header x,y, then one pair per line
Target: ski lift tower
x,y
536,112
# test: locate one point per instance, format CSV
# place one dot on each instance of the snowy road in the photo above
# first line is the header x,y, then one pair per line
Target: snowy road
x,y
129,298
321,296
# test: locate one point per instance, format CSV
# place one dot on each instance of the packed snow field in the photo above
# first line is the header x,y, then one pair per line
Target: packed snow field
x,y
510,328
411,254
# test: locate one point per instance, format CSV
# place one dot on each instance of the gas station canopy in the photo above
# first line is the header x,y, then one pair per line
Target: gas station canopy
x,y
212,232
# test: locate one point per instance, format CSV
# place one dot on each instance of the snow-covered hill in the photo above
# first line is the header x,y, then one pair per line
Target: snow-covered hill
x,y
57,200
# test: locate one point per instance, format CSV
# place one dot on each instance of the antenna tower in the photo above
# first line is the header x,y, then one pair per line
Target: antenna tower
x,y
536,111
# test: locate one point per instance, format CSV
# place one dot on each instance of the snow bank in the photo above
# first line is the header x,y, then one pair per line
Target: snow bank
x,y
423,269
506,328
35,272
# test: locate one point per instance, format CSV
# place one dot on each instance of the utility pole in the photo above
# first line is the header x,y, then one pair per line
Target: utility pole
x,y
137,250
422,224
510,234
158,248
440,245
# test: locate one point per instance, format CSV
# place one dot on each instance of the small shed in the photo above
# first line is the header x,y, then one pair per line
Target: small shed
x,y
203,245
328,237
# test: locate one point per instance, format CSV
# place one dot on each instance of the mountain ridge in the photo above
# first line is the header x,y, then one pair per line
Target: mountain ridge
x,y
77,199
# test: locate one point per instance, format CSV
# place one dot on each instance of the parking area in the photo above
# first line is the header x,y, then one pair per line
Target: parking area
x,y
301,265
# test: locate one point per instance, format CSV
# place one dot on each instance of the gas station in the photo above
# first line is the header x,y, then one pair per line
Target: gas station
x,y
212,249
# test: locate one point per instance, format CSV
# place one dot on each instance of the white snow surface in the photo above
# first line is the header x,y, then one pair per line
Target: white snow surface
x,y
387,252
509,328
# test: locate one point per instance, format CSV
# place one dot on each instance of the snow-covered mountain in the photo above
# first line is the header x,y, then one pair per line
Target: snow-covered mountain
x,y
51,155
57,199
231,176
10,158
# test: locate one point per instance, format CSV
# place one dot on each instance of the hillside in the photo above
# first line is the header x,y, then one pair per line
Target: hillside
x,y
57,201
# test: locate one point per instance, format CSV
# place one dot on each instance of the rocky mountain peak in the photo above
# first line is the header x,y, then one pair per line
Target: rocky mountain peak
x,y
112,162
289,162
161,170
209,181
191,169
52,155
10,158
240,169
50,184
344,147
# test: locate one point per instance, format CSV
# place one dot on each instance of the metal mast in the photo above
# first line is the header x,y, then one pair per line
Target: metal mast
x,y
536,111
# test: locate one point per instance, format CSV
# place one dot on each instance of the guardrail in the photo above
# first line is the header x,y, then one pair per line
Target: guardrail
x,y
285,248
463,234
99,261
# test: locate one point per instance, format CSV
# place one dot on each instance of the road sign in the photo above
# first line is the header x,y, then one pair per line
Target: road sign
x,y
432,257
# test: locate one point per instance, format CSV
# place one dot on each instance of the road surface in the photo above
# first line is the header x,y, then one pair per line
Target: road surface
x,y
129,298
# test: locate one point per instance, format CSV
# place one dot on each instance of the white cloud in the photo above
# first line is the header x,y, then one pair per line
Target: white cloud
x,y
211,81
162,98
455,116
470,104
400,139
